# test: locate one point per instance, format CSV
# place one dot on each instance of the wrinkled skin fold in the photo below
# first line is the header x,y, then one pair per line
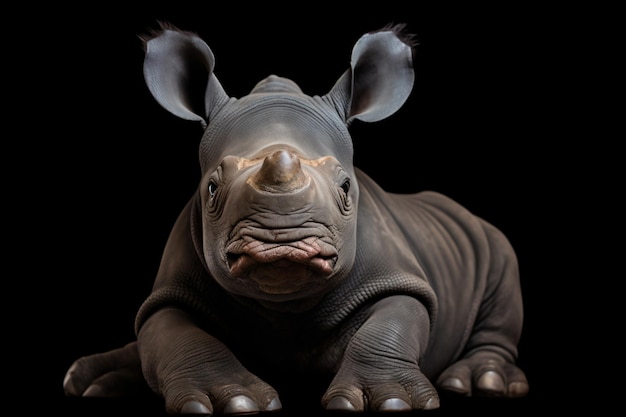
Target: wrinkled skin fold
x,y
289,262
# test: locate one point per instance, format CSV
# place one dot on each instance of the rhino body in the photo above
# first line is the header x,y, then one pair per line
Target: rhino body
x,y
289,260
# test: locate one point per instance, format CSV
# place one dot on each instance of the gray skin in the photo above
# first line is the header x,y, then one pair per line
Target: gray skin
x,y
290,259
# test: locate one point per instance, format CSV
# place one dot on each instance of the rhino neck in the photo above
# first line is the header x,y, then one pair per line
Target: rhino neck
x,y
296,306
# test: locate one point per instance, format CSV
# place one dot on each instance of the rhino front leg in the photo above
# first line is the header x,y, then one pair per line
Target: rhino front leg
x,y
115,373
195,372
380,369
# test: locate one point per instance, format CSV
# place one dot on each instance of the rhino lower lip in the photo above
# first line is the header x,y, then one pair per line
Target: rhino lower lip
x,y
244,264
281,277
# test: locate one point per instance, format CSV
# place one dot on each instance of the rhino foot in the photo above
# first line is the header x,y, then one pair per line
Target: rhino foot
x,y
244,393
116,373
414,393
239,404
484,373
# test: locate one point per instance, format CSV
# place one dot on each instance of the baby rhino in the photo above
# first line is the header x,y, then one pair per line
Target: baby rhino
x,y
290,264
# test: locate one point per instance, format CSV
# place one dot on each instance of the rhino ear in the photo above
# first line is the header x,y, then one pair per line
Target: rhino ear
x,y
178,70
380,78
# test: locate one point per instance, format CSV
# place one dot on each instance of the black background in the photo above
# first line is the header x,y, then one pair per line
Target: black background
x,y
112,169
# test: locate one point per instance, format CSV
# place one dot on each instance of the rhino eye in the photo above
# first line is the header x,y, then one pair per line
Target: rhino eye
x,y
345,186
212,188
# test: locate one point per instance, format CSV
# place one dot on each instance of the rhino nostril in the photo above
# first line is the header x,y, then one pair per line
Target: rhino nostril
x,y
231,258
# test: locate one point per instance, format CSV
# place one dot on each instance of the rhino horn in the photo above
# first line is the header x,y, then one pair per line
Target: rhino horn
x,y
281,172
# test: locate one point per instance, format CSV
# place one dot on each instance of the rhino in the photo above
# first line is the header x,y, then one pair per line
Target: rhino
x,y
289,260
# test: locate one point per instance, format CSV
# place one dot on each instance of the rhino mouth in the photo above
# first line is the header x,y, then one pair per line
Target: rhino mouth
x,y
282,268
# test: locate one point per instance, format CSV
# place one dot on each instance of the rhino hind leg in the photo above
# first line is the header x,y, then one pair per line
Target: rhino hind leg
x,y
115,373
484,373
488,368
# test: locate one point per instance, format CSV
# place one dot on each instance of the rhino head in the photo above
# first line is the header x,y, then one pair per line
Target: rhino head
x,y
278,198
